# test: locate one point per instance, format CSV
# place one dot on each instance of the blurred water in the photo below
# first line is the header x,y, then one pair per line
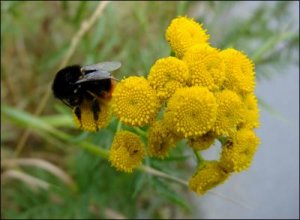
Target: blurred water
x,y
270,188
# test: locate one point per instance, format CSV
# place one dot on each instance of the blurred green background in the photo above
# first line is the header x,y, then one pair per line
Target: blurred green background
x,y
56,172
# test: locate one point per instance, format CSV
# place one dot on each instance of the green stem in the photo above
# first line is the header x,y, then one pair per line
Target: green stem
x,y
172,53
222,140
119,126
158,173
83,144
199,157
140,131
94,149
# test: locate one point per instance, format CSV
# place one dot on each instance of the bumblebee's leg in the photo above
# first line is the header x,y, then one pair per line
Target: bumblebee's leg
x,y
96,110
95,107
78,114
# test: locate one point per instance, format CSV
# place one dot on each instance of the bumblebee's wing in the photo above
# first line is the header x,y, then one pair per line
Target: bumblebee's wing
x,y
93,76
106,66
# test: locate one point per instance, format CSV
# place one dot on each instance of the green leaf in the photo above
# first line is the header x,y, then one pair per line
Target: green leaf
x,y
35,123
98,34
61,120
79,12
26,119
270,44
165,190
139,184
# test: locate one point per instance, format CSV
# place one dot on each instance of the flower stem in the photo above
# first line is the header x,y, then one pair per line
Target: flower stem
x,y
140,131
222,140
199,157
119,126
155,172
172,53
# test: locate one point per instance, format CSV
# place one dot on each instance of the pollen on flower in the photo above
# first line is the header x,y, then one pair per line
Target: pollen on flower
x,y
202,142
207,177
160,140
87,121
251,112
191,111
230,112
134,102
237,153
183,33
167,75
239,71
206,66
127,151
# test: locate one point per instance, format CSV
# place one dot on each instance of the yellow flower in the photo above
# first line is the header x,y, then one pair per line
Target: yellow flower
x,y
87,121
160,140
207,177
167,75
239,69
206,66
127,151
251,112
230,112
238,152
191,111
202,142
183,33
134,101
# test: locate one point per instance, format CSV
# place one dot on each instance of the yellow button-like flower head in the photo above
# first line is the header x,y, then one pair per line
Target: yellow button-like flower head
x,y
167,75
191,111
202,142
183,33
134,102
127,151
230,112
239,69
207,177
87,121
206,66
251,112
237,154
160,140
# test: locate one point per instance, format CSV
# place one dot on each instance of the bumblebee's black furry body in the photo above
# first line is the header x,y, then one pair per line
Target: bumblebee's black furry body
x,y
73,94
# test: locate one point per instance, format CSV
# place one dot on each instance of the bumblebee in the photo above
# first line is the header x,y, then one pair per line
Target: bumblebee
x,y
93,83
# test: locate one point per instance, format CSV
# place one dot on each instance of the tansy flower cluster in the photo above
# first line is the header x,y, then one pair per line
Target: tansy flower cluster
x,y
202,95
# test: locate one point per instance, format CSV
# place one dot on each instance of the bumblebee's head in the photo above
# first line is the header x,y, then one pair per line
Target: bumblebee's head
x,y
64,82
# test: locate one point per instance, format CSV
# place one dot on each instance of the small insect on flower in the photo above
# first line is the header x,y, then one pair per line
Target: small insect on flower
x,y
127,151
92,84
202,142
238,152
